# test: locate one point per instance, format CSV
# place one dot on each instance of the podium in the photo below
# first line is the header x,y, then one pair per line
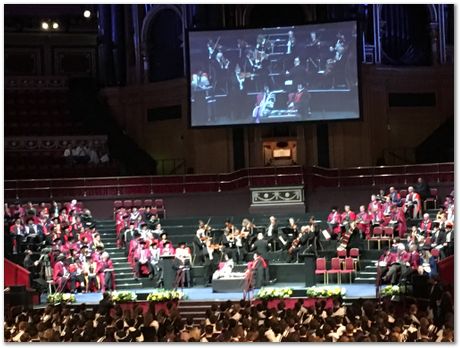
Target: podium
x,y
169,274
310,265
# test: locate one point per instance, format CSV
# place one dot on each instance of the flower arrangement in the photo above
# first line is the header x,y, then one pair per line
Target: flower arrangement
x,y
165,295
61,298
390,290
270,293
325,292
123,296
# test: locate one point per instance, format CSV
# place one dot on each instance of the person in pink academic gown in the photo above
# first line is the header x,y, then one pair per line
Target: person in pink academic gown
x,y
60,273
333,222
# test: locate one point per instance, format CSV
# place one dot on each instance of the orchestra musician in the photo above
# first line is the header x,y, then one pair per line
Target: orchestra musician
x,y
265,103
212,255
230,242
199,241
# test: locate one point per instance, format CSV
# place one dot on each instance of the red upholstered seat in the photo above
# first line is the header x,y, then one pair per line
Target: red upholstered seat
x,y
321,268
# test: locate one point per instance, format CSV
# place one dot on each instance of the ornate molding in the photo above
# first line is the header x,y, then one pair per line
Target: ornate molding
x,y
269,196
36,82
50,143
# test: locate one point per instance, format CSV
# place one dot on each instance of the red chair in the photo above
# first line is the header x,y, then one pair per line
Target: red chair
x,y
403,193
377,233
137,203
433,198
354,254
321,268
160,207
148,203
342,253
117,205
349,267
127,203
335,269
388,232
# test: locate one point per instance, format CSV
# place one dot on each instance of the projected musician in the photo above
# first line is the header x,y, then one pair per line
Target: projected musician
x,y
264,104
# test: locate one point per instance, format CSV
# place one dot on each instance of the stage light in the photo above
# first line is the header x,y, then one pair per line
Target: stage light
x,y
87,13
55,25
45,26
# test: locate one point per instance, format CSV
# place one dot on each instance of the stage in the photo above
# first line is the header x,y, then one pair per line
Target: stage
x,y
200,293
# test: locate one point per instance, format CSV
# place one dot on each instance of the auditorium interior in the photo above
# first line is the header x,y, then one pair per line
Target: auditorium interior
x,y
229,172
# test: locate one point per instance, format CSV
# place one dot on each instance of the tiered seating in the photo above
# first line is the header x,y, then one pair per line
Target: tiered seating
x,y
157,206
39,112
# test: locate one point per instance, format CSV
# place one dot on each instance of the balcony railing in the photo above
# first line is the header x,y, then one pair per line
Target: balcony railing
x,y
140,186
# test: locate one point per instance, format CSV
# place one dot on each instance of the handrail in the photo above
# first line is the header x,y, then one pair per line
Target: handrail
x,y
248,177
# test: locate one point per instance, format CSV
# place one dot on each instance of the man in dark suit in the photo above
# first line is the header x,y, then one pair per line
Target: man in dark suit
x,y
261,247
422,188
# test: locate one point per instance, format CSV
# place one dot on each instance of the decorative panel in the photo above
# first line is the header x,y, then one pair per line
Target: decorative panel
x,y
23,61
75,61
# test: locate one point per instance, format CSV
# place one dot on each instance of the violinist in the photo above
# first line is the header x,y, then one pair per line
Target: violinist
x,y
199,242
291,232
298,243
212,256
229,241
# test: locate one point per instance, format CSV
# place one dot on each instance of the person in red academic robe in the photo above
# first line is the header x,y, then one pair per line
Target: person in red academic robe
x,y
132,247
60,273
120,225
374,205
106,273
347,216
401,219
17,232
413,204
376,217
300,101
142,257
333,222
363,221
425,225
385,262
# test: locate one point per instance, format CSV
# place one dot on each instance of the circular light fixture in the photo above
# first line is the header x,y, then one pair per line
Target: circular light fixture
x,y
87,13
45,26
55,25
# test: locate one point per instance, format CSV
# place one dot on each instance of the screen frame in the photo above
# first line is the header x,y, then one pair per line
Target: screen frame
x,y
359,63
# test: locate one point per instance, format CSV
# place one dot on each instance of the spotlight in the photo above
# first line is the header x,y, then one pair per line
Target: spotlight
x,y
45,26
87,13
55,25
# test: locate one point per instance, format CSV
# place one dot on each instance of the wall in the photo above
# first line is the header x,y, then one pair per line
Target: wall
x,y
351,143
69,54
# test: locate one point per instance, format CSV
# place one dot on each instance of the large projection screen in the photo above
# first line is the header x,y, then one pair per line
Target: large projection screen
x,y
270,75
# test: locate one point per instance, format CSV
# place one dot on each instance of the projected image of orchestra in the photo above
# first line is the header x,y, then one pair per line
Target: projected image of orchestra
x,y
303,73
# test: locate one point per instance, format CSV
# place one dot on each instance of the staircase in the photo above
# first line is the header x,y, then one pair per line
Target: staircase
x,y
196,309
124,277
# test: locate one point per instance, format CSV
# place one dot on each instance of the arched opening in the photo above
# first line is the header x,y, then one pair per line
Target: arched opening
x,y
405,34
164,46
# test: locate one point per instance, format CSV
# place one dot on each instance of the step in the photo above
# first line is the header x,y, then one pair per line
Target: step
x,y
360,280
128,285
364,273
